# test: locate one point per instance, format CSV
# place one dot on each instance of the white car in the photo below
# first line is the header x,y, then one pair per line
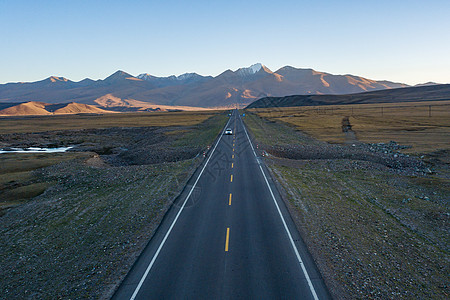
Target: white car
x,y
228,131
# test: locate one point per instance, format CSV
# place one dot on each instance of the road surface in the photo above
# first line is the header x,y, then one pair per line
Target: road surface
x,y
228,236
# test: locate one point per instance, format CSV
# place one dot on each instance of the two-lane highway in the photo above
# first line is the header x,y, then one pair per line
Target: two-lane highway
x,y
228,237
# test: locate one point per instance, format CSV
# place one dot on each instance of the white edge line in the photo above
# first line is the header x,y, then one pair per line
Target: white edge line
x,y
136,291
299,258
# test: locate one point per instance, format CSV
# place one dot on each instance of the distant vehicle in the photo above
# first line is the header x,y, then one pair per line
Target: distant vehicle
x,y
228,131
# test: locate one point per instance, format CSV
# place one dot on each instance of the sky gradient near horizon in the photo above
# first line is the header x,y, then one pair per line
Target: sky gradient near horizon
x,y
402,40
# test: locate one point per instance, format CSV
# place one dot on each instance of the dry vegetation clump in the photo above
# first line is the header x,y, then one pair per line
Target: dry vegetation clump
x,y
375,219
92,210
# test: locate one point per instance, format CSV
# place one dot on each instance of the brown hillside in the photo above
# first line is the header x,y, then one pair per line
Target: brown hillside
x,y
40,108
76,108
28,108
118,104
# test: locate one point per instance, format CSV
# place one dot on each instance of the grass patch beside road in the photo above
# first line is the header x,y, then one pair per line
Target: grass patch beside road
x,y
18,182
375,231
201,134
371,238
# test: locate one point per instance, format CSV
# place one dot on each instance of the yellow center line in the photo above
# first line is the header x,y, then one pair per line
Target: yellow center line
x,y
229,201
232,156
233,149
227,239
232,165
231,178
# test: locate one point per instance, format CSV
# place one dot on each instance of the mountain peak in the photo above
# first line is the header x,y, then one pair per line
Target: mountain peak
x,y
256,67
145,76
57,79
253,69
118,75
121,73
187,76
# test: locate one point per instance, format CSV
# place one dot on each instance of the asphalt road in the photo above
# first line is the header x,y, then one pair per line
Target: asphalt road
x,y
228,236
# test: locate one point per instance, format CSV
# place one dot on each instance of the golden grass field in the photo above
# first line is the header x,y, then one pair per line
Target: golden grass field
x,y
76,122
406,123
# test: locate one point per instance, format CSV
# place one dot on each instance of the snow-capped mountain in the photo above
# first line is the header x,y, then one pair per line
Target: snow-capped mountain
x,y
250,70
190,76
173,80
145,76
185,76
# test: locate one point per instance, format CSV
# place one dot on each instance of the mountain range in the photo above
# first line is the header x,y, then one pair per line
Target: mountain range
x,y
124,92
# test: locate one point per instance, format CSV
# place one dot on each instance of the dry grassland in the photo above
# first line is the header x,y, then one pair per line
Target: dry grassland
x,y
405,123
83,121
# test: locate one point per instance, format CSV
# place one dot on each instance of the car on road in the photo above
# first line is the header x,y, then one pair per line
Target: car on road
x,y
228,131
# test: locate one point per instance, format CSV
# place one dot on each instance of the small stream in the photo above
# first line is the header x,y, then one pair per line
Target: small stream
x,y
34,150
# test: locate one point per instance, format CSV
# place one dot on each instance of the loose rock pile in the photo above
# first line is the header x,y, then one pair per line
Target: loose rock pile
x,y
382,154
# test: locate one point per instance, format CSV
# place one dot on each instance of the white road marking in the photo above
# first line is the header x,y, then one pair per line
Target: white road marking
x,y
136,291
305,272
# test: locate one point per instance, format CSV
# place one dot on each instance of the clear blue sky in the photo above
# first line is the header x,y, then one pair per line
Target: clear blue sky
x,y
400,40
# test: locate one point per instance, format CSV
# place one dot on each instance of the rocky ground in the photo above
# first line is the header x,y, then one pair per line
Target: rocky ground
x,y
79,238
376,220
379,155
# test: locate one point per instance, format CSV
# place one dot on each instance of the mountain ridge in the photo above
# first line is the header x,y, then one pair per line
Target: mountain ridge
x,y
228,89
439,92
